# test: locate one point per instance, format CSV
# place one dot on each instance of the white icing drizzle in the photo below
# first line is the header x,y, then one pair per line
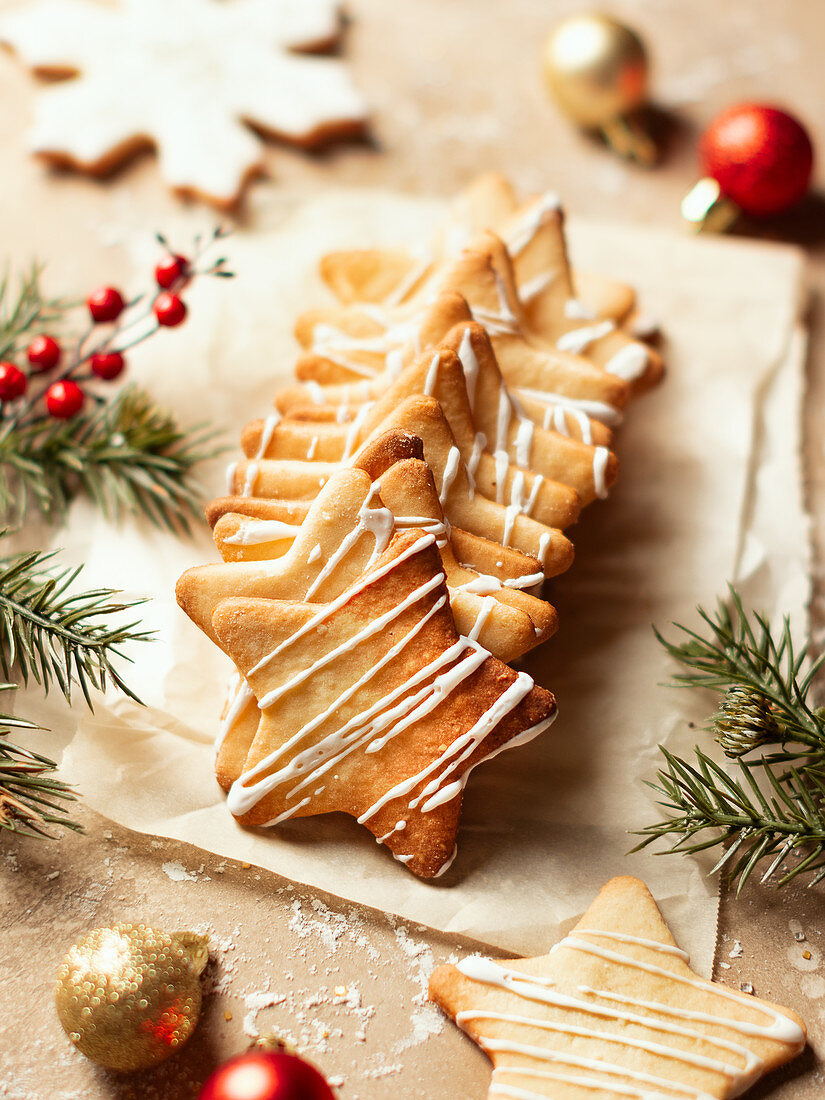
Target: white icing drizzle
x,y
394,362
415,274
578,339
641,941
502,321
479,444
331,608
313,444
524,441
485,611
448,862
432,375
316,392
469,365
597,410
629,362
533,287
451,467
354,430
528,580
314,553
437,527
502,467
331,342
270,424
231,470
438,790
377,520
398,827
555,418
252,532
576,310
614,1089
485,584
533,220
601,456
544,544
241,696
249,480
543,990
508,407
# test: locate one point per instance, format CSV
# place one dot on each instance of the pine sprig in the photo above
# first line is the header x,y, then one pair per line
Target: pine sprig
x,y
126,454
55,635
62,637
30,798
27,312
761,809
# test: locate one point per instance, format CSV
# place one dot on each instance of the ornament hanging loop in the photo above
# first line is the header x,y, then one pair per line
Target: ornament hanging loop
x,y
627,137
706,209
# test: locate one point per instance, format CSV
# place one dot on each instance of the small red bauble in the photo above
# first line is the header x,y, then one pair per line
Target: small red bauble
x,y
12,382
266,1075
170,310
64,400
43,353
105,304
107,365
170,269
761,157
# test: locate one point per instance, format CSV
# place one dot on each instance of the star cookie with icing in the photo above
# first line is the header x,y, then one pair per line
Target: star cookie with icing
x,y
184,77
614,1011
373,705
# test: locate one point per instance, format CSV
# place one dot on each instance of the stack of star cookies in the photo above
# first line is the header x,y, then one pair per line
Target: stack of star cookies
x,y
387,534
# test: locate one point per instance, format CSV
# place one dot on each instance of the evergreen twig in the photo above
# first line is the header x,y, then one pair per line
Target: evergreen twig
x,y
59,636
757,809
126,454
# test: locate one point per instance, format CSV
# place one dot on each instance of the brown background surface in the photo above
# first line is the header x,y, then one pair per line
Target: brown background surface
x,y
456,89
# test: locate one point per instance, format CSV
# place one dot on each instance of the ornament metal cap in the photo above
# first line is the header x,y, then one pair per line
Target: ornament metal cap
x,y
597,70
705,207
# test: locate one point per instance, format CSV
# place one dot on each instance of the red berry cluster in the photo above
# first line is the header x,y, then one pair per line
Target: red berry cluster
x,y
64,397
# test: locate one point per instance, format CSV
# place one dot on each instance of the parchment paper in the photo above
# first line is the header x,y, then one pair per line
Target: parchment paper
x,y
709,490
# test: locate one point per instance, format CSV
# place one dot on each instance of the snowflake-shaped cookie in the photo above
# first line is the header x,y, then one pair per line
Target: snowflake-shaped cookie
x,y
183,76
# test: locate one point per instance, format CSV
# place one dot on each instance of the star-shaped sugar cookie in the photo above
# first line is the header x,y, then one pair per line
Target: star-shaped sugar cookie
x,y
615,1011
184,77
462,487
463,376
374,706
376,276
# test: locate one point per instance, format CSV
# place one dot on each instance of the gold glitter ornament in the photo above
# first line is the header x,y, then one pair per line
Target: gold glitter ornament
x,y
129,996
597,70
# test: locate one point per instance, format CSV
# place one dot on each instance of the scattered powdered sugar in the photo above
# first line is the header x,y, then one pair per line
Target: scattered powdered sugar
x,y
254,1003
344,987
177,872
426,1020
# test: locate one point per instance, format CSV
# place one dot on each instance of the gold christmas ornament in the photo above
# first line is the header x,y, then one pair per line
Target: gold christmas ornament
x,y
596,68
129,996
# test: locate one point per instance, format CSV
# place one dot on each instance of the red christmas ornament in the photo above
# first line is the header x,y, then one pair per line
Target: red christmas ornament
x,y
64,400
170,269
107,365
12,382
105,304
266,1075
170,310
756,159
43,353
